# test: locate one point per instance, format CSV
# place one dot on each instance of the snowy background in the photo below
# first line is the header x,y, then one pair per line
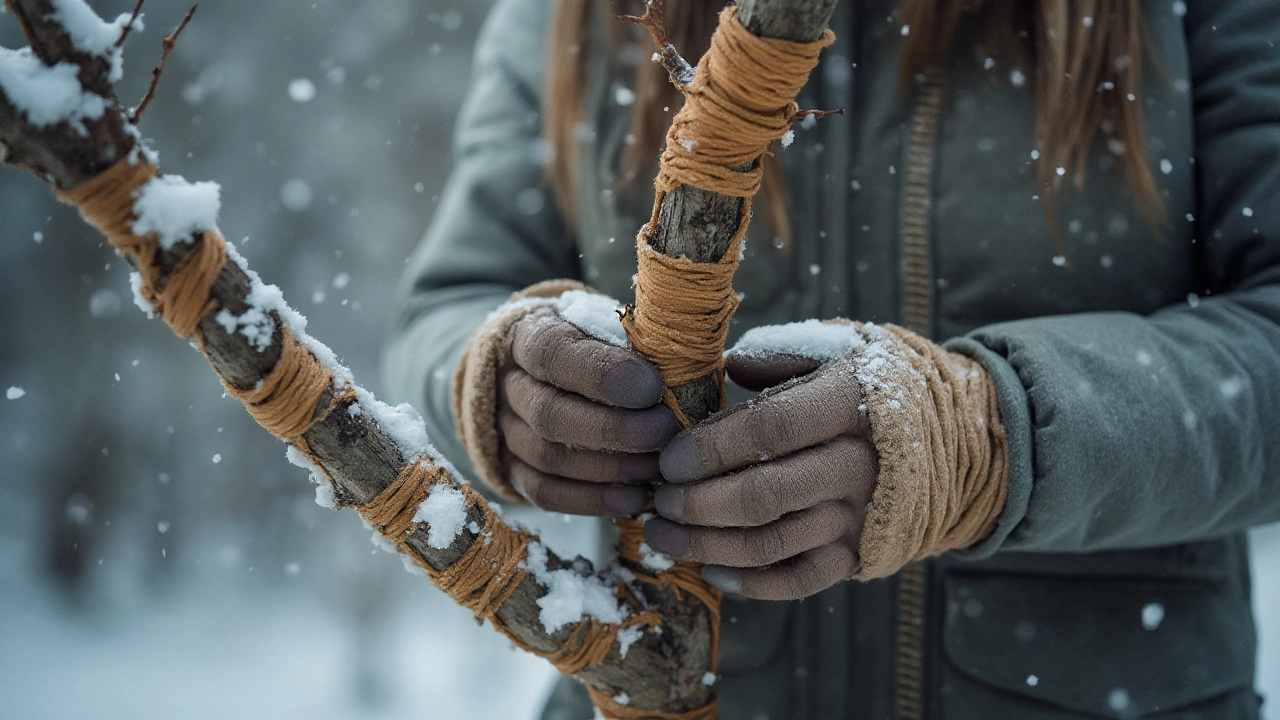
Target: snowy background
x,y
158,556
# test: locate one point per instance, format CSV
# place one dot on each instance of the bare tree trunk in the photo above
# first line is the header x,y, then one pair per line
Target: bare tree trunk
x,y
362,460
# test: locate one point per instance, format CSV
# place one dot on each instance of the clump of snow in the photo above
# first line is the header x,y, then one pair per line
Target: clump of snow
x,y
325,496
571,595
655,560
627,637
269,298
380,541
90,33
402,423
594,314
175,209
257,326
788,137
135,283
810,338
47,95
1152,615
13,393
622,698
877,362
445,513
410,566
708,678
296,195
141,147
302,90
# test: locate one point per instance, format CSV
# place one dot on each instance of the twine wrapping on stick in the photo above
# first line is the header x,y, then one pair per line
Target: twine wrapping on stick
x,y
491,569
286,402
741,99
180,296
289,401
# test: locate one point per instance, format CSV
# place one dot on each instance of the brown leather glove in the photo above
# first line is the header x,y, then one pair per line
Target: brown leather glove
x,y
560,416
883,449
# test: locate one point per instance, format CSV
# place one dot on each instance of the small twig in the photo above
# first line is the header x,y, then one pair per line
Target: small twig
x,y
124,34
169,42
678,68
815,114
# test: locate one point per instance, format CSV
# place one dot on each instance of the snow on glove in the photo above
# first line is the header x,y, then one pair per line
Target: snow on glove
x,y
878,448
553,408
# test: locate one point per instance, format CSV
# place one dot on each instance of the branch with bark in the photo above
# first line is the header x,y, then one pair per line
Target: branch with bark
x,y
662,672
701,224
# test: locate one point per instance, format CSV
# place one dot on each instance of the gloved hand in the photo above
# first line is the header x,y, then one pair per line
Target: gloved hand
x,y
556,415
883,449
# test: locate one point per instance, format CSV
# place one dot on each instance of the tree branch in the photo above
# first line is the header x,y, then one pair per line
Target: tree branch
x,y
678,68
359,456
133,20
663,671
170,41
700,224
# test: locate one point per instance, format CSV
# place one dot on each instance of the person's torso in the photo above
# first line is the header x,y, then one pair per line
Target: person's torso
x,y
923,208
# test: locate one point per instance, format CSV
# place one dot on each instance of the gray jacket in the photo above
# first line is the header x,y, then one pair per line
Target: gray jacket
x,y
1138,368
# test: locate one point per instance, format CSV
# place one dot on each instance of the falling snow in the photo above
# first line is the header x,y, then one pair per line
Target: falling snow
x,y
302,90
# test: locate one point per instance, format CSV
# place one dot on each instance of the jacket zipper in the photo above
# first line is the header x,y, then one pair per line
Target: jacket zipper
x,y
918,315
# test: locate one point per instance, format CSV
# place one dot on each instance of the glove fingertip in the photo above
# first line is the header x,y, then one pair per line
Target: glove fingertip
x,y
633,384
680,461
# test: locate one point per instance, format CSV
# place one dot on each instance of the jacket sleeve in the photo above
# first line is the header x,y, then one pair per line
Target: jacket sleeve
x,y
1130,431
496,230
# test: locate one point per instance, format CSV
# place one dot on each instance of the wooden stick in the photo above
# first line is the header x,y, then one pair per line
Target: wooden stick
x,y
359,456
700,224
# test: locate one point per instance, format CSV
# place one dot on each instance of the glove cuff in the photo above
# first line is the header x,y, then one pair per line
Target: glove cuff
x,y
944,456
475,381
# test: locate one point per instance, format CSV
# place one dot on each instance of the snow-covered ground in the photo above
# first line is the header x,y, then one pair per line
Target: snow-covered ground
x,y
220,646
212,654
219,643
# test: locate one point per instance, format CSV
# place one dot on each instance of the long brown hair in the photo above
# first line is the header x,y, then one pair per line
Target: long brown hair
x,y
1087,57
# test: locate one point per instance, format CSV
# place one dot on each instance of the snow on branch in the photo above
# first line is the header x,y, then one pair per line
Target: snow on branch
x,y
60,118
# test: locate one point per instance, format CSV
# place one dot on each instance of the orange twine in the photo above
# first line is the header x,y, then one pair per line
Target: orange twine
x,y
287,402
180,296
489,572
741,99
